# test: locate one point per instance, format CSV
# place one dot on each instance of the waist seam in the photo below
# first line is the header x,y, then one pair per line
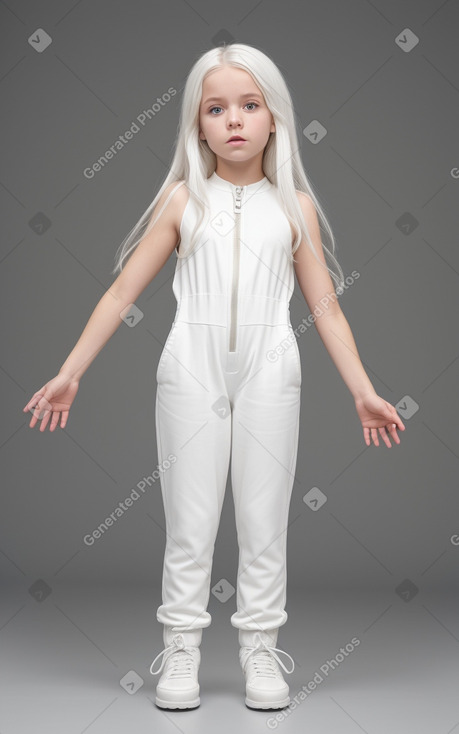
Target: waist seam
x,y
208,308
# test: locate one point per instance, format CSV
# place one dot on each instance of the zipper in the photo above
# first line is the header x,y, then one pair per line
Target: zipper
x,y
237,198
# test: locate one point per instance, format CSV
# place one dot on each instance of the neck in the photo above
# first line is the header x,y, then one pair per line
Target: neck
x,y
238,175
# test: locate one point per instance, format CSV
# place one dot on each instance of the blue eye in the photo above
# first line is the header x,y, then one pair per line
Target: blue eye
x,y
217,107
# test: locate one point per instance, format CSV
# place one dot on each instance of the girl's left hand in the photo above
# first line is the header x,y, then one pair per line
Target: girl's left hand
x,y
376,414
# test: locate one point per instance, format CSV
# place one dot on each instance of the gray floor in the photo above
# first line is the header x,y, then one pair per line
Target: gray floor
x,y
63,657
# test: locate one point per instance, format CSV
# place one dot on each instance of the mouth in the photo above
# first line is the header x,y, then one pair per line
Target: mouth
x,y
235,139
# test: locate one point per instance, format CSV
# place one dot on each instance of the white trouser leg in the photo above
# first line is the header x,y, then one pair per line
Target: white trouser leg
x,y
264,452
190,428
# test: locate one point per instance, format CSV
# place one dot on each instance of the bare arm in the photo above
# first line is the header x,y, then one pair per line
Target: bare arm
x,y
142,266
375,413
332,325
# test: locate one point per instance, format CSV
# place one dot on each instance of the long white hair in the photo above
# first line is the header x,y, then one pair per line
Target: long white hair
x,y
194,161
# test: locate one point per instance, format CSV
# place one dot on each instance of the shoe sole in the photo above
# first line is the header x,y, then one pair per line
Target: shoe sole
x,y
177,704
267,704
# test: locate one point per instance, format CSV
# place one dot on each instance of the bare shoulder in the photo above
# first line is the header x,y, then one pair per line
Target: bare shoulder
x,y
307,207
177,202
172,212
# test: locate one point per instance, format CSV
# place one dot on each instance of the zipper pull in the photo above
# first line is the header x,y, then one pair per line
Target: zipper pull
x,y
237,195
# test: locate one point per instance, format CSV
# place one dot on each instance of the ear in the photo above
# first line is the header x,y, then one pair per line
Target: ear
x,y
201,135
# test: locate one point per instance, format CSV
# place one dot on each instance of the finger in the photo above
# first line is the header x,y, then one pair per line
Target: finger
x,y
54,421
36,413
393,432
33,420
395,417
366,436
65,415
386,439
28,405
36,397
45,419
374,434
42,411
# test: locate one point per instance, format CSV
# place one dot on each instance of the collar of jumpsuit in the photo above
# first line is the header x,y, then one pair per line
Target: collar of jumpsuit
x,y
240,273
223,184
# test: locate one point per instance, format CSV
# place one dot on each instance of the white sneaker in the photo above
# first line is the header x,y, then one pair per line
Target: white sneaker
x,y
265,684
178,687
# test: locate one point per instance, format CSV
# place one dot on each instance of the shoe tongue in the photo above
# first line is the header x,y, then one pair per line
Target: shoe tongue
x,y
259,652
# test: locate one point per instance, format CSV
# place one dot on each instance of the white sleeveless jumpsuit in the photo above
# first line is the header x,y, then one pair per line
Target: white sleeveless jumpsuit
x,y
228,387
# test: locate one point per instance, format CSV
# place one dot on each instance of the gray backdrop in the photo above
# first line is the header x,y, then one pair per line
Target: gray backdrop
x,y
378,560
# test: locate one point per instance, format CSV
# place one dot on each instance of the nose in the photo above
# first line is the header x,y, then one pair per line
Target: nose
x,y
234,118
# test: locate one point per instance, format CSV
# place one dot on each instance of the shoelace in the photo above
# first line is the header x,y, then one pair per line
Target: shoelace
x,y
263,659
182,661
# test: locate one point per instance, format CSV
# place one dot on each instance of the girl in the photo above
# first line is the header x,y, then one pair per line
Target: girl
x,y
236,207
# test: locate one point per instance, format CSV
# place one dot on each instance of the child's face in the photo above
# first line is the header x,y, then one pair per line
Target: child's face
x,y
234,114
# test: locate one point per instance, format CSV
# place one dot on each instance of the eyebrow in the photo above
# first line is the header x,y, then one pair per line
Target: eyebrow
x,y
243,96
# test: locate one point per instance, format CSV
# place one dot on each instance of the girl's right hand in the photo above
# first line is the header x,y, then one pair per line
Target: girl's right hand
x,y
55,397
